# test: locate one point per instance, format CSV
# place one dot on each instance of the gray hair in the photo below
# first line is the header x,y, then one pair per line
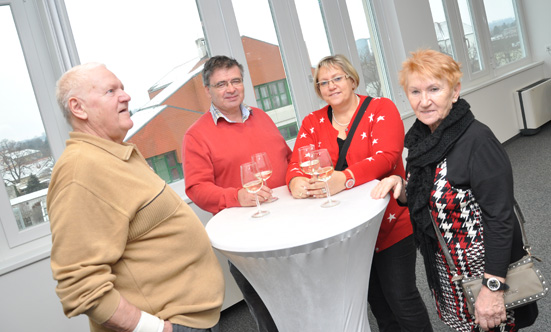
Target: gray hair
x,y
70,84
217,62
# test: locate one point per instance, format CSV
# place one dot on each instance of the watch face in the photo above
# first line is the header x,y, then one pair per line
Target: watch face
x,y
493,284
349,183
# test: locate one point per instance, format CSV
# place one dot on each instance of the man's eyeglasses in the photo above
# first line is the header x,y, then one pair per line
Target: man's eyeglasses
x,y
334,80
224,84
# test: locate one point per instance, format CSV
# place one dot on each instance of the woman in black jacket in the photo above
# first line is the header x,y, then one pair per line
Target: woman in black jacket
x,y
459,174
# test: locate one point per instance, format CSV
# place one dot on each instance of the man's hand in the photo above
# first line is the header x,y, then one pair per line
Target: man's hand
x,y
126,318
247,199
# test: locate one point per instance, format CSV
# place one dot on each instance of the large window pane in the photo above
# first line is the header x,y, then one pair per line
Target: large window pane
x,y
470,36
313,30
368,50
25,158
266,67
507,45
441,27
157,52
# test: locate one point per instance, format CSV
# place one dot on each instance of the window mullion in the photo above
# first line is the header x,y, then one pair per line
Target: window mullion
x,y
483,34
457,34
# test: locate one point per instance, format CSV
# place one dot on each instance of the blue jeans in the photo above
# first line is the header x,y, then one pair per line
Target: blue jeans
x,y
393,295
257,308
181,328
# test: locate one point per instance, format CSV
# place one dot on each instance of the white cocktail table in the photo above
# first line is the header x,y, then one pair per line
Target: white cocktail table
x,y
310,265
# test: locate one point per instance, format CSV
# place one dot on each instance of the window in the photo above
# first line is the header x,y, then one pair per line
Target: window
x,y
157,49
289,131
26,159
505,31
490,48
264,61
372,65
160,51
272,95
166,166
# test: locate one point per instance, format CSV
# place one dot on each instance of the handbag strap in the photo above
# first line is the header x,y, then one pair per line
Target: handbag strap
x,y
342,153
444,246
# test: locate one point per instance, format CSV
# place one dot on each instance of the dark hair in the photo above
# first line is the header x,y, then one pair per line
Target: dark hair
x,y
217,62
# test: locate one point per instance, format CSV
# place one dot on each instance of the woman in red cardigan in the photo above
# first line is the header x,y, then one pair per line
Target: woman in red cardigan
x,y
375,152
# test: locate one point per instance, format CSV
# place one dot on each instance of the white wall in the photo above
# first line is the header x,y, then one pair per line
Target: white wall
x,y
28,302
538,26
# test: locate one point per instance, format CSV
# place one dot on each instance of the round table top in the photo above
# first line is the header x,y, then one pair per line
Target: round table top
x,y
293,222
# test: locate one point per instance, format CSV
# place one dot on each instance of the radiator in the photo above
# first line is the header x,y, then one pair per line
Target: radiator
x,y
534,106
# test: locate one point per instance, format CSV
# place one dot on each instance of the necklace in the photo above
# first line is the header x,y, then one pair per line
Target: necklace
x,y
337,122
346,124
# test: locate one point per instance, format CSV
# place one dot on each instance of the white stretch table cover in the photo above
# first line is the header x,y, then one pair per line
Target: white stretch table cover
x,y
309,264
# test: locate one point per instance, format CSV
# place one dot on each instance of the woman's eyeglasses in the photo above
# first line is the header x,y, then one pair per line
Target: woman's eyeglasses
x,y
334,80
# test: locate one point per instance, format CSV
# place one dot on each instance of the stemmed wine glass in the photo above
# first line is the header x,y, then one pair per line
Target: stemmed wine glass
x,y
252,182
305,157
264,168
323,168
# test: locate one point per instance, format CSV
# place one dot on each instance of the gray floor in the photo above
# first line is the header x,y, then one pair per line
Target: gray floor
x,y
531,160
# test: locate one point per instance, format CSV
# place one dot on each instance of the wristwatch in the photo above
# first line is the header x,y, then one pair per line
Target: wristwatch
x,y
494,285
349,183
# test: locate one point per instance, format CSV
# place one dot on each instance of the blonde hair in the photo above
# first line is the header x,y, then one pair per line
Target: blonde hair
x,y
337,61
70,84
430,63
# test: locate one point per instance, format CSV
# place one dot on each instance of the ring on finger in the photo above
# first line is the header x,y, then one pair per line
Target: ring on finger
x,y
323,190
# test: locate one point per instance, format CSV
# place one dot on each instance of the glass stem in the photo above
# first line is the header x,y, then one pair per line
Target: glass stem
x,y
328,194
257,203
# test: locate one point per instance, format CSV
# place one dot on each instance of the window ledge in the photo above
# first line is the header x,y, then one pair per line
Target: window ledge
x,y
479,86
22,260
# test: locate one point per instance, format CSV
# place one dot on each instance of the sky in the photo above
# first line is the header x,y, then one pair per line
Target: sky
x,y
18,108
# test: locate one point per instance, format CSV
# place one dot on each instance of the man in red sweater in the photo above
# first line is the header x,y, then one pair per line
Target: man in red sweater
x,y
218,143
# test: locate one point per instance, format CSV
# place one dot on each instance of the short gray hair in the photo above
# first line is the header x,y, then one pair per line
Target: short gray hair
x,y
70,83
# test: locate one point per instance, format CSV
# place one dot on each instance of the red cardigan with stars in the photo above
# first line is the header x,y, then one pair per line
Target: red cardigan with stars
x,y
374,153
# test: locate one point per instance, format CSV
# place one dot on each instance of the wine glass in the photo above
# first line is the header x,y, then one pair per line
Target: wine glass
x,y
305,154
265,168
252,182
323,168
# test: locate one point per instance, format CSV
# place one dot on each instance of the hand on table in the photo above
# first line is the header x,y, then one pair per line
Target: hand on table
x,y
246,198
302,187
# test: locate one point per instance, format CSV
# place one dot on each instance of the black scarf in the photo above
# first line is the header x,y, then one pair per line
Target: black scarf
x,y
425,151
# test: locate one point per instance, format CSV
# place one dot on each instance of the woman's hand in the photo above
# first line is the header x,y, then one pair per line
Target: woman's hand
x,y
392,183
490,307
303,187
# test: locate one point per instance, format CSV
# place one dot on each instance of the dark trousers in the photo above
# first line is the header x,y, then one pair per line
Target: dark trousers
x,y
181,328
393,295
257,308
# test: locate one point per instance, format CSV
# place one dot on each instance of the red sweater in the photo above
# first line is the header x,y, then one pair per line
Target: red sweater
x,y
374,153
212,154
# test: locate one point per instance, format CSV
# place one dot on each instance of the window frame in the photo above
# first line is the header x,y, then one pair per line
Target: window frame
x,y
50,50
260,99
479,17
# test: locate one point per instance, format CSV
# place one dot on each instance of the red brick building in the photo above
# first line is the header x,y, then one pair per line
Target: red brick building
x,y
179,99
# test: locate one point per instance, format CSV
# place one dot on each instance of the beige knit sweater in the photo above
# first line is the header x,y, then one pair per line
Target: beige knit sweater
x,y
118,229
